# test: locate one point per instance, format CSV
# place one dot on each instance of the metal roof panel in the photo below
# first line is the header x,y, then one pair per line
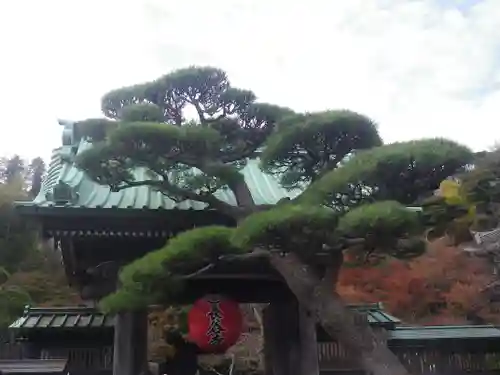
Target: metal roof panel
x,y
33,366
264,188
444,332
62,318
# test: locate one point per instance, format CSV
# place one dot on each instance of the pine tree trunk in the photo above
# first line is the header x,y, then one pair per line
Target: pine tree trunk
x,y
319,297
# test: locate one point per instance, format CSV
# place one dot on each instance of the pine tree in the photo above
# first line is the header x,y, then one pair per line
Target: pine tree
x,y
353,190
36,173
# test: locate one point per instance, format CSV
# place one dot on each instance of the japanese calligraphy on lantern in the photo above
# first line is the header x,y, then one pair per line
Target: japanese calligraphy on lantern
x,y
216,329
215,323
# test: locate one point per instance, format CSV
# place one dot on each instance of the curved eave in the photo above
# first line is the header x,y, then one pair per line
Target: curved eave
x,y
35,210
77,222
66,186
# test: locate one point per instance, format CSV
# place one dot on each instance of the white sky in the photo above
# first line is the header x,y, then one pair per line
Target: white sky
x,y
420,68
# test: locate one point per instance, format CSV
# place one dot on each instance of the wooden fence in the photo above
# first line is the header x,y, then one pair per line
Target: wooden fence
x,y
11,350
81,361
84,359
333,359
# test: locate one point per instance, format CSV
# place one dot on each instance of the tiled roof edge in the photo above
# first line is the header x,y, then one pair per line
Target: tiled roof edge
x,y
444,327
61,310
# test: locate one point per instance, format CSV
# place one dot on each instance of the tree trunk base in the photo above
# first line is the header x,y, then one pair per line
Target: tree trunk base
x,y
319,297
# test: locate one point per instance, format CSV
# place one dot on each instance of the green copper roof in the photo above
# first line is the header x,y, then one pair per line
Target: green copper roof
x,y
376,315
33,366
445,333
67,186
62,318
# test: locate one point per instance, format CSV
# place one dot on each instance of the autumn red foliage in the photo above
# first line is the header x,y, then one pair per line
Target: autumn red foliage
x,y
443,286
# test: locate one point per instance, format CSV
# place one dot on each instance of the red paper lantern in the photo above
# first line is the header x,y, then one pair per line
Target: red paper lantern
x,y
215,323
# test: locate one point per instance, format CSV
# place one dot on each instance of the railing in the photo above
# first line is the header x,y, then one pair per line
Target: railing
x,y
433,361
98,359
11,350
334,359
81,361
333,356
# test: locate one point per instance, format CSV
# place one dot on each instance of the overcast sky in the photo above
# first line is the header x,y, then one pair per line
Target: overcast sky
x,y
420,68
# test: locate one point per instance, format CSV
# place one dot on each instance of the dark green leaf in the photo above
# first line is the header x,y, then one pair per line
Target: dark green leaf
x,y
307,146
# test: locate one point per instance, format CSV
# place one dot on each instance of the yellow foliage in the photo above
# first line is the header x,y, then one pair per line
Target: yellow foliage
x,y
159,322
452,192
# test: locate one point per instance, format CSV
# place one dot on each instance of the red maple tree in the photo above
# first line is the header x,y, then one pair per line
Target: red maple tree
x,y
443,286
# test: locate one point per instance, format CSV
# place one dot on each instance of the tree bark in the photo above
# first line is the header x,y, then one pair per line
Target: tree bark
x,y
242,194
319,297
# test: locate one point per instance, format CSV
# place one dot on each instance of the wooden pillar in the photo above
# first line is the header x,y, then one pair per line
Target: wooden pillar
x,y
290,346
308,343
130,343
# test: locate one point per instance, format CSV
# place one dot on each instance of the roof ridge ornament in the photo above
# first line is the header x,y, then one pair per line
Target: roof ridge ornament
x,y
62,194
68,134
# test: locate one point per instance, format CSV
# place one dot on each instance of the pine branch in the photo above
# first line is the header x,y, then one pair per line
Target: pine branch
x,y
246,152
199,272
185,194
255,254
